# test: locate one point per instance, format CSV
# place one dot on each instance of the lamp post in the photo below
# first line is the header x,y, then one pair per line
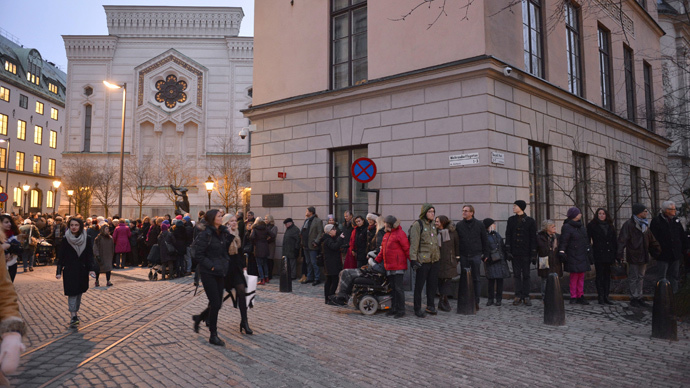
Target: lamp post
x,y
7,162
209,189
122,137
26,188
56,184
70,193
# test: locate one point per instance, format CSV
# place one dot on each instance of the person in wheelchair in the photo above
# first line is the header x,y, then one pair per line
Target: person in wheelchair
x,y
349,276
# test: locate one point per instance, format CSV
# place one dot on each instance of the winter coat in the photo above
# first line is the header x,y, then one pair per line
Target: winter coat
x,y
347,233
671,237
604,243
545,248
26,231
179,234
165,241
272,233
395,249
638,246
58,233
449,254
241,228
133,237
332,263
496,269
104,251
259,237
291,242
473,238
10,319
575,243
314,233
75,268
521,236
211,249
121,236
359,248
93,232
152,235
378,240
424,239
371,238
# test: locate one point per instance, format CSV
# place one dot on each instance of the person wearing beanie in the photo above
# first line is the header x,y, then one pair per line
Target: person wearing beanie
x,y
636,246
332,264
574,250
495,266
291,246
425,255
474,246
521,249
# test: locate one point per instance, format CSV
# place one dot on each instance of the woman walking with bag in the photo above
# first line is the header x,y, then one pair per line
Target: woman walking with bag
x,y
76,264
604,246
495,266
103,251
547,250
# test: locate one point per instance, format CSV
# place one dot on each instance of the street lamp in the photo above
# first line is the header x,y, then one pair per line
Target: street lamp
x,y
26,188
209,189
7,162
122,136
70,193
56,184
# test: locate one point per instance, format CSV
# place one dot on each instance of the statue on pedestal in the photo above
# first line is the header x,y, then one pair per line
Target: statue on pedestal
x,y
181,207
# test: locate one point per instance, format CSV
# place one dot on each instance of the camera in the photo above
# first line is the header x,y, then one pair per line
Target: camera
x,y
507,71
244,132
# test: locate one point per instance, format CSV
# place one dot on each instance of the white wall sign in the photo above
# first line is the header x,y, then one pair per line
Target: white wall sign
x,y
498,157
464,159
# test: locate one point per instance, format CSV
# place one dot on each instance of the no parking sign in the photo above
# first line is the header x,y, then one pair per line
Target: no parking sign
x,y
363,170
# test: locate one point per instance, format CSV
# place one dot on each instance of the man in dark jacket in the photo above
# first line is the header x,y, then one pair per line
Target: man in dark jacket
x,y
668,231
521,247
291,246
312,230
474,245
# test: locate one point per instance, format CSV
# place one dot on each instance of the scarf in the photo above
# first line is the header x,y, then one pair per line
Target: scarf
x,y
235,245
641,223
443,236
77,242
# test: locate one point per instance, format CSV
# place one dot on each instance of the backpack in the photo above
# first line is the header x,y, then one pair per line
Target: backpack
x,y
409,230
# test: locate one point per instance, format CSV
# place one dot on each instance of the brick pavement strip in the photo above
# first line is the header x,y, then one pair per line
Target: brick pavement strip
x,y
299,342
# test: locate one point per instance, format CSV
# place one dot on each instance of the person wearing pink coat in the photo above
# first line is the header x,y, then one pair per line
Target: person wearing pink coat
x,y
121,238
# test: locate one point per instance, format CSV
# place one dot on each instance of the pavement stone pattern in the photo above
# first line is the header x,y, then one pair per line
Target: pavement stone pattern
x,y
138,334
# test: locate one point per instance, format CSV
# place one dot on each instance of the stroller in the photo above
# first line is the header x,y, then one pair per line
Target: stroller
x,y
372,292
44,252
154,259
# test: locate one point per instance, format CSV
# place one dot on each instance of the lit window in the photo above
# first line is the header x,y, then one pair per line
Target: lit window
x,y
3,124
23,101
53,113
37,164
35,198
50,198
19,162
39,107
53,88
4,94
51,167
3,157
53,139
18,196
38,134
21,129
33,78
11,67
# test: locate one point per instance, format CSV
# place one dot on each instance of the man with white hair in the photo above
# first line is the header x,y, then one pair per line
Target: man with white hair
x,y
669,232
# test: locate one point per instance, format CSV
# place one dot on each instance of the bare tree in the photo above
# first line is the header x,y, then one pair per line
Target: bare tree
x,y
78,175
174,172
141,181
231,173
106,186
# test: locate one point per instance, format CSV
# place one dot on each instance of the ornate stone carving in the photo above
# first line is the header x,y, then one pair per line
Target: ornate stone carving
x,y
90,47
171,58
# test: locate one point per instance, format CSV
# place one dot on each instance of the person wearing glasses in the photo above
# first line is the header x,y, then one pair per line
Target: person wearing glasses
x,y
669,232
474,246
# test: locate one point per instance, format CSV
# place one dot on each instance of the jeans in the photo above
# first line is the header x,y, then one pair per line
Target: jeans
x,y
521,276
262,265
396,282
474,263
670,271
74,302
427,273
312,268
188,262
603,280
347,281
636,279
577,283
499,289
330,286
29,256
213,287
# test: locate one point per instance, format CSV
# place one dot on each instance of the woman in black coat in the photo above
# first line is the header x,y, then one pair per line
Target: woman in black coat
x,y
211,251
332,262
574,249
76,264
361,242
604,247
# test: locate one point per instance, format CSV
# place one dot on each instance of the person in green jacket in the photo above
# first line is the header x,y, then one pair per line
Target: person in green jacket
x,y
425,254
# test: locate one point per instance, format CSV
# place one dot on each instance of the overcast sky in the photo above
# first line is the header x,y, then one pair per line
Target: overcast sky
x,y
40,24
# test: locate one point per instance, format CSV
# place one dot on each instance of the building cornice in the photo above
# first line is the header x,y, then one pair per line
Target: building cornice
x,y
89,46
240,48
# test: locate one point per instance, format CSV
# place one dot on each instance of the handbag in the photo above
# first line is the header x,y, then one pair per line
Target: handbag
x,y
496,256
619,271
543,262
251,288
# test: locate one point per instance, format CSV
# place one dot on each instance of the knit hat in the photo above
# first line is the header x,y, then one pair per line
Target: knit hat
x,y
372,216
178,217
331,217
521,204
179,224
165,226
489,221
328,228
638,208
288,220
573,212
187,218
312,209
166,222
390,220
27,221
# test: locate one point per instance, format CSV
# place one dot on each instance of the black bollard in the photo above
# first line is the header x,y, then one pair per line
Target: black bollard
x,y
466,303
664,323
285,281
554,310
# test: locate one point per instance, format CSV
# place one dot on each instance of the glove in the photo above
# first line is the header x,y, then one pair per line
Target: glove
x,y
10,350
562,256
372,254
509,256
372,262
416,265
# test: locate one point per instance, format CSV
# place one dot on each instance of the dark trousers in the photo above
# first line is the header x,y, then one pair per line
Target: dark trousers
x,y
330,286
603,280
427,273
213,286
521,275
498,284
474,263
107,275
13,271
396,282
240,299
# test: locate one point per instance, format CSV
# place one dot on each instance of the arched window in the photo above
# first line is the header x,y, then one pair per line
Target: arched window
x,y
50,199
35,198
18,196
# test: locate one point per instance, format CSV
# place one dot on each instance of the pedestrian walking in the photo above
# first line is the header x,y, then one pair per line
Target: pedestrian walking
x,y
474,246
425,254
669,232
602,233
312,230
103,251
449,257
574,250
395,252
121,237
331,259
521,248
291,246
29,238
11,246
495,265
76,264
639,245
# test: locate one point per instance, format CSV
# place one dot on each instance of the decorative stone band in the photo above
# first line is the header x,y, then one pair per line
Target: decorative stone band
x,y
90,47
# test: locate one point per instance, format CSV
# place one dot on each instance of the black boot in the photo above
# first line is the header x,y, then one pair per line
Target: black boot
x,y
602,300
197,321
443,304
214,340
244,325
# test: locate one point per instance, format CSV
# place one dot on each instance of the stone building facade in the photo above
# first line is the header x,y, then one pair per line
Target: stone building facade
x,y
457,110
188,74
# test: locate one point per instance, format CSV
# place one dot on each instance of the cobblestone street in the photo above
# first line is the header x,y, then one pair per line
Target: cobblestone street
x,y
139,333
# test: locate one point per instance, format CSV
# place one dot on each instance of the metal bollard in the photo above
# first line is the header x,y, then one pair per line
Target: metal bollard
x,y
285,281
554,310
664,325
466,303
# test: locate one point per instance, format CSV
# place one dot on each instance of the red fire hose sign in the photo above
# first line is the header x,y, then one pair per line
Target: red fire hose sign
x,y
363,170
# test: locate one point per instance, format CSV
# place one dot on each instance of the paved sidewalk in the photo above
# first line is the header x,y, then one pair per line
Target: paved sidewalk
x,y
138,333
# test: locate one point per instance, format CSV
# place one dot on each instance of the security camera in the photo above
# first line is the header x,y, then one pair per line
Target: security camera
x,y
507,71
244,132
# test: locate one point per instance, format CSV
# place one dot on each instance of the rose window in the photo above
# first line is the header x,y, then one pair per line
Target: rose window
x,y
171,91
